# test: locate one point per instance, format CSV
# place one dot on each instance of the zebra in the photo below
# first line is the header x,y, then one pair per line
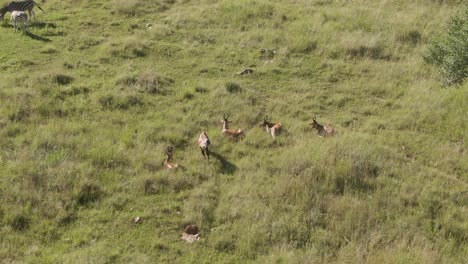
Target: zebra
x,y
26,5
21,17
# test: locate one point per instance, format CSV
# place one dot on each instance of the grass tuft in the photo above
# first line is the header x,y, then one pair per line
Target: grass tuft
x,y
232,87
88,193
19,221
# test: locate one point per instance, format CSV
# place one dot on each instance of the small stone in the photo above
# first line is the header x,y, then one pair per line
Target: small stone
x,y
246,71
137,219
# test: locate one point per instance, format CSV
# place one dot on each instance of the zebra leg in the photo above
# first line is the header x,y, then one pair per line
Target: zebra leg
x,y
31,14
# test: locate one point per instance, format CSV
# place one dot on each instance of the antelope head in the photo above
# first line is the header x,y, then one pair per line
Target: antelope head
x,y
272,128
265,122
225,120
315,124
322,130
169,151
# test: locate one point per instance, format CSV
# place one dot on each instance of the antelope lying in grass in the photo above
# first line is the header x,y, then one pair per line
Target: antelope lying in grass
x,y
191,234
323,130
168,164
204,144
234,134
272,128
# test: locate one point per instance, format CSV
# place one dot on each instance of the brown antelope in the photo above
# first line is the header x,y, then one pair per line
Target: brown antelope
x,y
234,134
168,164
272,128
204,144
323,130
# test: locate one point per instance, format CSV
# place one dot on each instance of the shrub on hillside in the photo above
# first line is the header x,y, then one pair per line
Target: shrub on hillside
x,y
449,51
19,115
147,82
155,186
131,47
88,193
61,79
411,36
126,7
365,47
19,221
232,87
111,102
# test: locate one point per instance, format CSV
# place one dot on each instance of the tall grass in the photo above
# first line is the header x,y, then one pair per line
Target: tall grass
x,y
91,100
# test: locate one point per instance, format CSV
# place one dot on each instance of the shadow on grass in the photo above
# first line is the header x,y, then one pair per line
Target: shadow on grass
x,y
36,37
40,24
226,166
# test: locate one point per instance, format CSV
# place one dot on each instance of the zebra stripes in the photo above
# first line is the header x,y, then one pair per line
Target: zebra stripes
x,y
26,5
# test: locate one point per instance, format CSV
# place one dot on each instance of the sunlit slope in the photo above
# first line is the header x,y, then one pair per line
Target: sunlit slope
x,y
91,98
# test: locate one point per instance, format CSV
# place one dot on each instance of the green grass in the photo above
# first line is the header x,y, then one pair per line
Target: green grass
x,y
93,96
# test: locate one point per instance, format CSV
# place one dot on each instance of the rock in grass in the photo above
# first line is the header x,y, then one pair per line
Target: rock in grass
x,y
137,220
246,71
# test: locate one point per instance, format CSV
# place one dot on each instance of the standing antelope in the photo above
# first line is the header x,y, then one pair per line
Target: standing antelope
x,y
204,144
168,164
272,128
234,134
323,130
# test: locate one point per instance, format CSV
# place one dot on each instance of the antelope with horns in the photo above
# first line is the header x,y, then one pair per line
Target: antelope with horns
x,y
204,144
323,130
234,134
168,164
272,128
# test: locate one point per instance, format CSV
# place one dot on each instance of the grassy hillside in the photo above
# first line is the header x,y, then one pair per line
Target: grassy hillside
x,y
91,98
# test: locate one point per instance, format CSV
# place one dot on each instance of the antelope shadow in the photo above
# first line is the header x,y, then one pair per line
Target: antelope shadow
x,y
36,37
40,24
226,166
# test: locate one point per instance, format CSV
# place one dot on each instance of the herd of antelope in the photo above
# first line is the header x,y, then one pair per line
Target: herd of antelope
x,y
272,128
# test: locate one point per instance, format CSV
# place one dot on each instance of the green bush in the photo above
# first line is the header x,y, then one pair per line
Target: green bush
x,y
449,51
19,221
232,87
88,193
